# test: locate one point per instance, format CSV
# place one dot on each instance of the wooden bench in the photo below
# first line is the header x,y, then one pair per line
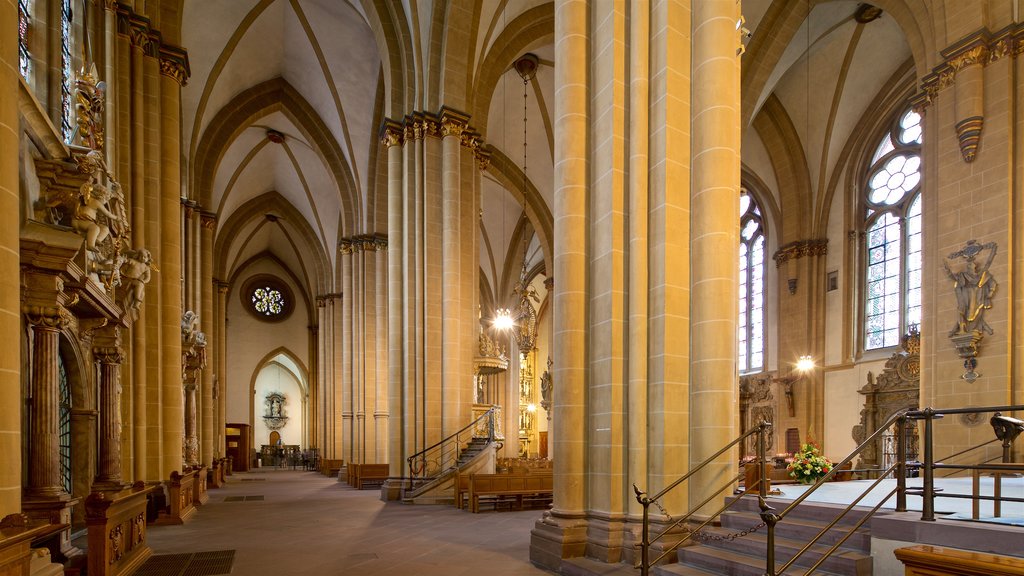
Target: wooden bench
x,y
536,488
360,474
330,467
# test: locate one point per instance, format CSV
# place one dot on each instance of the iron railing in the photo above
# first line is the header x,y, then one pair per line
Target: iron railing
x,y
929,466
899,469
442,457
645,540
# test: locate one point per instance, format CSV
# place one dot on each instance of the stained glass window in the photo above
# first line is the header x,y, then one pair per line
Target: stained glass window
x,y
893,242
65,426
750,327
24,57
66,104
268,301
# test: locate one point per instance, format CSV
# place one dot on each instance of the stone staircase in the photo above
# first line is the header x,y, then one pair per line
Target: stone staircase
x,y
745,556
440,489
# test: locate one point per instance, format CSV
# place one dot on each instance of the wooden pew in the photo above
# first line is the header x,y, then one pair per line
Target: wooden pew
x,y
534,487
461,488
360,474
330,466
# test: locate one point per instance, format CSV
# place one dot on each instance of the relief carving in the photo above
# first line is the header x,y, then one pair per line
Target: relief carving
x,y
116,539
896,388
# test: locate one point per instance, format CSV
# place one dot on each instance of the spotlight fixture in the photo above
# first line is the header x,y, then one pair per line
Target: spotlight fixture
x,y
805,363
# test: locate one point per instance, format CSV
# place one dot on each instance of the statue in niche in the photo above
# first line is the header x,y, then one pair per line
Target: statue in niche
x,y
974,287
274,417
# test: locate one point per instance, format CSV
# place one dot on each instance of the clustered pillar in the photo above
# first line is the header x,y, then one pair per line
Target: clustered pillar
x,y
433,170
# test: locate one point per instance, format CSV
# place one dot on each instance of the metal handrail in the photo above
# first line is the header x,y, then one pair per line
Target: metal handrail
x,y
771,519
448,446
928,466
645,501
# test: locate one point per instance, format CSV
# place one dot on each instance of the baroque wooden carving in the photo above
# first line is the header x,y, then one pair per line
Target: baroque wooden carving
x,y
896,388
757,404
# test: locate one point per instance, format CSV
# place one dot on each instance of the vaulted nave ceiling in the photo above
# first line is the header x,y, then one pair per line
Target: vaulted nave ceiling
x,y
808,108
285,94
286,98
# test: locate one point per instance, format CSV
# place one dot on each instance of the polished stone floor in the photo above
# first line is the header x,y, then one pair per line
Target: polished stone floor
x,y
308,524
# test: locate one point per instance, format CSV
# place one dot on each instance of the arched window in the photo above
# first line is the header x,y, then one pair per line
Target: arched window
x,y
67,105
24,58
893,234
750,327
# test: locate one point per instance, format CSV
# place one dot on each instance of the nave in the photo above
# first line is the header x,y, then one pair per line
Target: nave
x,y
310,525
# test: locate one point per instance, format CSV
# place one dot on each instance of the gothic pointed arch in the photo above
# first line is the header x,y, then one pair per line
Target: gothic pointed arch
x,y
531,28
784,18
241,112
511,177
302,237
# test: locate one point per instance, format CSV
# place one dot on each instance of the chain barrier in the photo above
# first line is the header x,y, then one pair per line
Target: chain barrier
x,y
701,536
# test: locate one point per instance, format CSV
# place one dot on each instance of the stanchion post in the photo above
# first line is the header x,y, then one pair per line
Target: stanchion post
x,y
928,506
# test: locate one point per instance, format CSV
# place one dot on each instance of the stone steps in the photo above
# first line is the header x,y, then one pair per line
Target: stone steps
x,y
745,556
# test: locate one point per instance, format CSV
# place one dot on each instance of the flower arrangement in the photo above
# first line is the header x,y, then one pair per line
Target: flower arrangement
x,y
808,464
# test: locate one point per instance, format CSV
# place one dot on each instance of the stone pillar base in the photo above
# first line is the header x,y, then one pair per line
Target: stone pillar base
x,y
610,540
554,539
391,490
54,511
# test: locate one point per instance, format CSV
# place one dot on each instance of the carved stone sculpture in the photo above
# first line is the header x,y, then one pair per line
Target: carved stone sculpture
x,y
974,288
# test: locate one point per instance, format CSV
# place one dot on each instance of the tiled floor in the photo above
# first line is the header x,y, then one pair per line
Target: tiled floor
x,y
309,524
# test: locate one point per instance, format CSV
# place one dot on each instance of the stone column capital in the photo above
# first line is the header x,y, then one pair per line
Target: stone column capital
x,y
112,355
391,134
174,64
50,317
453,122
208,220
222,287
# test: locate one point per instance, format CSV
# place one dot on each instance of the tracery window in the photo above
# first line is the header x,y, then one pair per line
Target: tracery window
x,y
266,297
67,106
65,426
750,327
893,229
24,57
268,301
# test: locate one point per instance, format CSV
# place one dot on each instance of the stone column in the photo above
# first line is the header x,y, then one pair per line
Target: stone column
x,y
337,376
562,532
452,125
44,448
346,391
170,266
322,363
191,440
108,358
713,241
392,141
380,401
10,223
221,340
208,435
